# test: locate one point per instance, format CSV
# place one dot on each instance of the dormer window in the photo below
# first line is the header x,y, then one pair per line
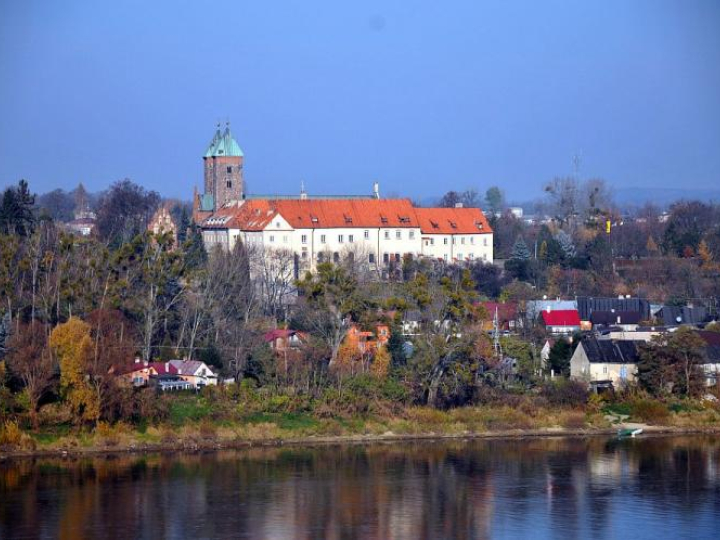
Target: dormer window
x,y
435,224
314,219
348,219
383,219
453,225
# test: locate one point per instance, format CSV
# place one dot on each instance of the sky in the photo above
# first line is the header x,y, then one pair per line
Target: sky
x,y
421,96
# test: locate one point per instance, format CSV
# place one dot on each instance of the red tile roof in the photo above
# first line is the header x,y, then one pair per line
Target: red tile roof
x,y
257,214
452,221
507,311
561,317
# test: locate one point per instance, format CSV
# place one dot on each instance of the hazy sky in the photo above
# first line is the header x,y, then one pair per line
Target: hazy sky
x,y
423,96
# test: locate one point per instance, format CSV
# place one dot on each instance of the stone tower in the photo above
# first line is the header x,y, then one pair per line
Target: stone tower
x,y
223,162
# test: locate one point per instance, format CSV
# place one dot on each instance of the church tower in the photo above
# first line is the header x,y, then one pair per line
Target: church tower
x,y
223,163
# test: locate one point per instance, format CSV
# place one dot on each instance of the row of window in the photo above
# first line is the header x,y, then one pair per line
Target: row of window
x,y
431,241
387,257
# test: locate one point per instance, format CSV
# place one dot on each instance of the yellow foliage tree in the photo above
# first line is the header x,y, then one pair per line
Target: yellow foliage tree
x,y
381,362
651,246
705,256
72,344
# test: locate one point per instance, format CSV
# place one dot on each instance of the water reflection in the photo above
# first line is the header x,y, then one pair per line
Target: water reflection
x,y
554,488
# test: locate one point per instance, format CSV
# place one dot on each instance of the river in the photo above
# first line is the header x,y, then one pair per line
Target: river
x,y
565,488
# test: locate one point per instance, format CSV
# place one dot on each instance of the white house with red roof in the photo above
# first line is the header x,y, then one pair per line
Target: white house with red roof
x,y
560,321
377,230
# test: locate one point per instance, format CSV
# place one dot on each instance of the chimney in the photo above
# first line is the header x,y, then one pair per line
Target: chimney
x,y
376,190
458,205
167,367
618,319
303,193
137,359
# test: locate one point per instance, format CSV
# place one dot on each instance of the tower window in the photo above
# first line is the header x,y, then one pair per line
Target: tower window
x,y
229,169
228,182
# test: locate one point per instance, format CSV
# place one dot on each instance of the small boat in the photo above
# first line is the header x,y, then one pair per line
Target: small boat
x,y
629,432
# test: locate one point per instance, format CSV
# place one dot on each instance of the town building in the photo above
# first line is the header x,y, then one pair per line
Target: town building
x,y
605,364
560,321
315,229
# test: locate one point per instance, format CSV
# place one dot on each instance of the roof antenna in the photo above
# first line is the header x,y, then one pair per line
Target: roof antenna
x,y
303,194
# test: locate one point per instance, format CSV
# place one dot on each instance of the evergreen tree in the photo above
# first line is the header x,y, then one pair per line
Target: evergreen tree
x,y
566,244
520,250
559,360
16,211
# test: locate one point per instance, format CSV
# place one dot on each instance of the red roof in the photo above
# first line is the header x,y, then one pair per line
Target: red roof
x,y
561,317
452,221
507,311
164,368
257,214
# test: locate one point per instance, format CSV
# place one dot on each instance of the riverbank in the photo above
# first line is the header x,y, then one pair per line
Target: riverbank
x,y
298,429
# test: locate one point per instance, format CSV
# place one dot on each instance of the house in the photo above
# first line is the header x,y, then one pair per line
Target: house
x,y
711,362
172,375
676,316
561,321
197,373
604,363
162,222
587,305
533,308
508,320
282,340
411,322
624,321
366,342
376,231
545,352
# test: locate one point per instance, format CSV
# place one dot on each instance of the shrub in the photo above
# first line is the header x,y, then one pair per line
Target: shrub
x,y
574,420
10,434
649,410
565,392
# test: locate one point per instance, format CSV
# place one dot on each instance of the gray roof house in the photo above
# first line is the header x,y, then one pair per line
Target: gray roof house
x,y
604,363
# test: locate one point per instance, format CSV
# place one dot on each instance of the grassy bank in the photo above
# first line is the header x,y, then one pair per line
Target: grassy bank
x,y
194,422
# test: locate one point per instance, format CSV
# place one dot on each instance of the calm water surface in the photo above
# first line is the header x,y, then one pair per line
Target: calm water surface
x,y
660,487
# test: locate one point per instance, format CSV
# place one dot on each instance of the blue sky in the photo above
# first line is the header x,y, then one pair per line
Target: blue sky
x,y
422,96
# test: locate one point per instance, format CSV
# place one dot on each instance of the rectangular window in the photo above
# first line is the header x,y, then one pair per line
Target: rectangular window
x,y
303,238
367,235
472,239
398,235
485,242
322,238
340,238
459,256
412,235
229,169
445,241
432,241
371,258
445,256
228,183
387,235
285,238
386,258
472,256
351,238
462,240
304,253
272,238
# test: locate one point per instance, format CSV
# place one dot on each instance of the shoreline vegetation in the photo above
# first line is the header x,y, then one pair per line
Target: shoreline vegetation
x,y
193,428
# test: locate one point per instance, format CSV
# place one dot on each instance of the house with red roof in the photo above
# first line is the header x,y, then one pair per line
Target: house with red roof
x,y
372,230
560,321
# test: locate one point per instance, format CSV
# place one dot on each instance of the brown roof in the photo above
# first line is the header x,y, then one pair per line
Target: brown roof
x,y
452,221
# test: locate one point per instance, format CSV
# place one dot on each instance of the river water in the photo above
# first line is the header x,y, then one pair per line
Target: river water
x,y
651,487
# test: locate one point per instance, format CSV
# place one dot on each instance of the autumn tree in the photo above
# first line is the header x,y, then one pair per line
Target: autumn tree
x,y
125,211
72,344
331,299
31,361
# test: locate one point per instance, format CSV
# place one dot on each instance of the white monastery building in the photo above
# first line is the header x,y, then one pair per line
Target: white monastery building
x,y
315,229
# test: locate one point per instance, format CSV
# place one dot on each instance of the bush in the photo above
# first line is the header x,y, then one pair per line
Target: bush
x,y
650,411
10,434
565,393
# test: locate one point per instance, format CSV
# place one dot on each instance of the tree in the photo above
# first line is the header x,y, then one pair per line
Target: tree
x,y
332,298
16,210
563,196
566,244
450,199
73,346
125,211
381,363
470,198
58,204
495,200
559,360
671,363
31,361
520,250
